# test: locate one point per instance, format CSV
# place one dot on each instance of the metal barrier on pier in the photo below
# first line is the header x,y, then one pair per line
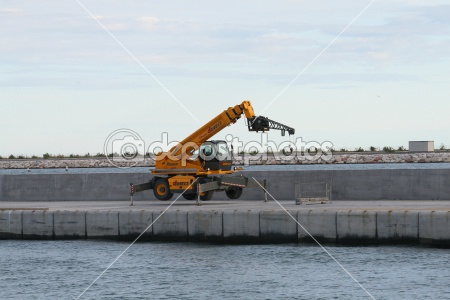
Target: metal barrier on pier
x,y
313,192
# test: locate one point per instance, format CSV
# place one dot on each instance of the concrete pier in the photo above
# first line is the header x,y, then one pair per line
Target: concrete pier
x,y
342,222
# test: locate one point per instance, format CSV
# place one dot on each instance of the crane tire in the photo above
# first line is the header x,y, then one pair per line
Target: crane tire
x,y
234,193
205,196
161,190
190,196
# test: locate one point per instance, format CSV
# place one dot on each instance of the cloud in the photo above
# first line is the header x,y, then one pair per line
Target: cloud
x,y
148,22
10,10
406,37
257,47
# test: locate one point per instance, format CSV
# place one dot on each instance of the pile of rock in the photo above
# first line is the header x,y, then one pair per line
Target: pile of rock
x,y
353,158
63,163
263,159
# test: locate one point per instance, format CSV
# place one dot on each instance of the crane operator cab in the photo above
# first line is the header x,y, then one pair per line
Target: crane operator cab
x,y
215,155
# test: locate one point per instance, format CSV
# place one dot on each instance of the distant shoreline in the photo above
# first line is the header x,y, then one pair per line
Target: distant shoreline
x,y
259,159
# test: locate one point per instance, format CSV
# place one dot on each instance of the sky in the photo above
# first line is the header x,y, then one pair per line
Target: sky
x,y
354,73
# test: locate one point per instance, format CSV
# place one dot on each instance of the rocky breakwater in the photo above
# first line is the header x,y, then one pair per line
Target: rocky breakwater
x,y
392,158
258,159
343,158
63,163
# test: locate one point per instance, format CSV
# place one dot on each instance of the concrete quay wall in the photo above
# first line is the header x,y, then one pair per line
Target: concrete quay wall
x,y
233,226
388,184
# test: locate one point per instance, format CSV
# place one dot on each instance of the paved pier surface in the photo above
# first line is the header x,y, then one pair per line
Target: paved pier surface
x,y
184,205
356,222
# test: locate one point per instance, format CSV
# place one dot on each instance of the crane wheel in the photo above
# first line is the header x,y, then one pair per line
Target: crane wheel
x,y
161,189
205,196
191,196
234,192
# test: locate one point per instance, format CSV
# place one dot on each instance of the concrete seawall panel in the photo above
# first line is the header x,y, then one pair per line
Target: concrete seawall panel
x,y
69,224
321,224
278,226
241,226
134,223
102,224
1,188
10,224
205,226
391,222
434,227
170,226
37,224
356,226
397,226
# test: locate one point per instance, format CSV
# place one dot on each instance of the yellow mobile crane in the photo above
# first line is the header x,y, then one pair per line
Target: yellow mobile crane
x,y
199,161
